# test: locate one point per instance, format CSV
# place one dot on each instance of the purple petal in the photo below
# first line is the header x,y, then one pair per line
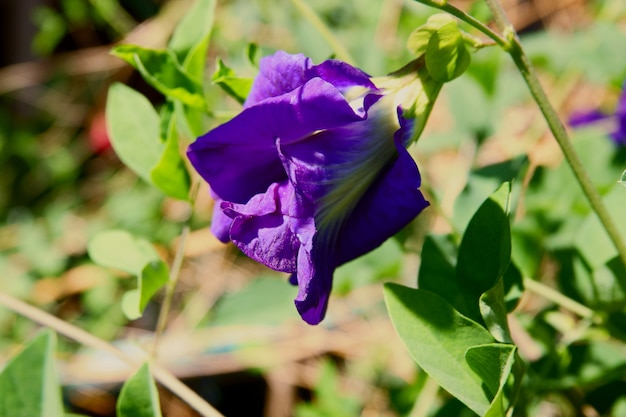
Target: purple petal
x,y
388,206
279,74
578,119
239,158
220,222
315,280
619,135
282,73
265,230
341,75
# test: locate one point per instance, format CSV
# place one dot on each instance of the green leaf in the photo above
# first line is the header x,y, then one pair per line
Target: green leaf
x,y
493,364
252,54
622,179
191,37
493,311
485,251
513,287
170,174
160,69
236,87
120,250
437,337
152,278
436,272
29,384
447,56
139,396
133,126
270,299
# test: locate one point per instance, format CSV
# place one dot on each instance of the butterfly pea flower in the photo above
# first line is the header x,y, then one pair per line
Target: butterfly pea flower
x,y
616,119
314,171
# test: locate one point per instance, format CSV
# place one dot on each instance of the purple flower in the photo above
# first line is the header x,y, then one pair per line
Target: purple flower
x,y
618,119
312,173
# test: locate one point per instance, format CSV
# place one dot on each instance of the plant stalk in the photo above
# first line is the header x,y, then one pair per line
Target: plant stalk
x,y
165,377
558,130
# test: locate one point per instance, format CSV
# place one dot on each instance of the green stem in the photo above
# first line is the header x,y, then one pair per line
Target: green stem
x,y
165,377
556,127
561,300
338,49
174,274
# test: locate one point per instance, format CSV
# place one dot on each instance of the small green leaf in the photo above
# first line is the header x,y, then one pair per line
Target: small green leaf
x,y
252,53
623,178
29,384
152,278
236,87
133,126
139,396
485,251
437,337
170,174
493,364
447,56
120,250
160,69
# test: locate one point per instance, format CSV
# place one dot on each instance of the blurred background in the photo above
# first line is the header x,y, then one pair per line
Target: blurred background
x,y
233,334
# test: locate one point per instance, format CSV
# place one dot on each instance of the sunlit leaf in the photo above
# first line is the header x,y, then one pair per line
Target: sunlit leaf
x,y
160,68
236,87
133,127
437,337
170,174
493,363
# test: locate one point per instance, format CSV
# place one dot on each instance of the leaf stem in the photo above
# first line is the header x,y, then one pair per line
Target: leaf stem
x,y
561,300
170,288
174,272
558,130
165,377
339,50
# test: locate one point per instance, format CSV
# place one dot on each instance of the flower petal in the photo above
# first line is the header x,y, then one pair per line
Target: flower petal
x,y
619,135
220,222
282,73
315,280
341,75
239,158
578,119
388,206
264,229
278,74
